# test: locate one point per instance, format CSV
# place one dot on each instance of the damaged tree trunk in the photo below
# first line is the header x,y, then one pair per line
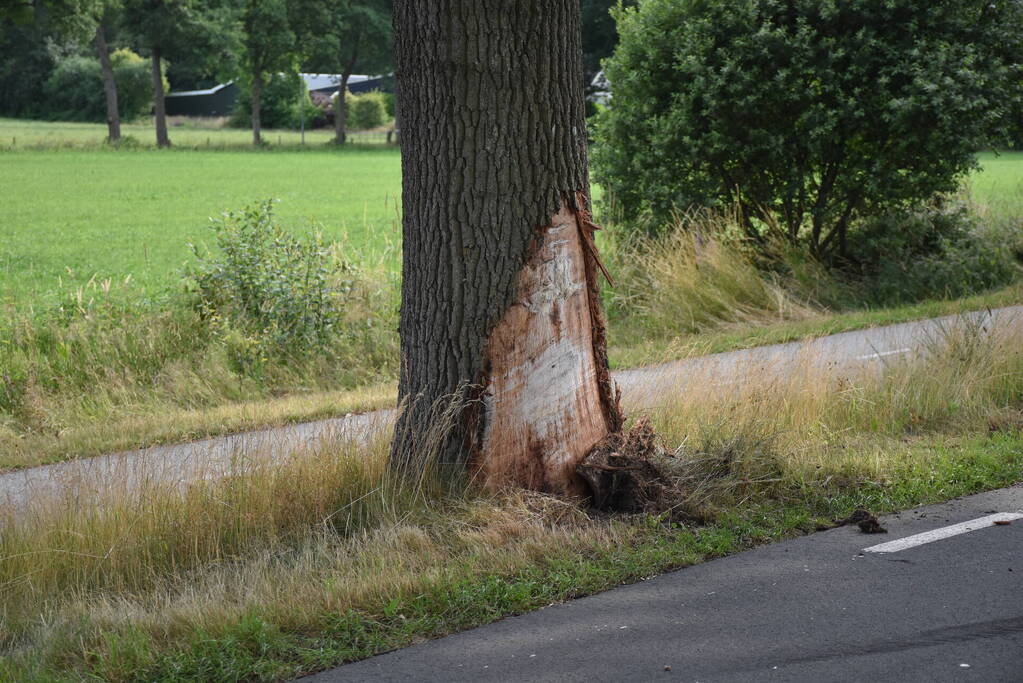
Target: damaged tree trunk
x,y
500,298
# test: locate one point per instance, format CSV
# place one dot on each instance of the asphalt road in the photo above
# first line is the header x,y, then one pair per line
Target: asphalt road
x,y
816,608
642,388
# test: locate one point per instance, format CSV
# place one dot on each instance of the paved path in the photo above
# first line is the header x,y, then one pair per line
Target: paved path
x,y
816,608
642,388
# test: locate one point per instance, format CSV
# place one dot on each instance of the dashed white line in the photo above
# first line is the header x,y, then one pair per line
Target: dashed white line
x,y
943,532
882,354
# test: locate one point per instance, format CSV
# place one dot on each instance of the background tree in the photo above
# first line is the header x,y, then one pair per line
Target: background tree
x,y
26,60
500,300
268,47
163,27
73,21
807,113
343,38
105,15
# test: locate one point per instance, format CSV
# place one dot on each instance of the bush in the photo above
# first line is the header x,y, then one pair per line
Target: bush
x,y
811,113
940,250
74,90
134,79
366,111
279,295
279,105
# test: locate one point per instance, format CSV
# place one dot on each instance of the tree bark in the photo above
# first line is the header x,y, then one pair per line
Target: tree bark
x,y
257,93
159,104
109,86
500,303
341,111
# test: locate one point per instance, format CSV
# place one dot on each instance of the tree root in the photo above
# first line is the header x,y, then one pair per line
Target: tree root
x,y
623,474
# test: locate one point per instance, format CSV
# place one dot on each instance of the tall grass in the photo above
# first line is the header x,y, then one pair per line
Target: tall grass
x,y
694,277
106,355
117,586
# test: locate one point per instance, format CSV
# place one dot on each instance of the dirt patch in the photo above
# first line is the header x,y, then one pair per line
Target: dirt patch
x,y
866,521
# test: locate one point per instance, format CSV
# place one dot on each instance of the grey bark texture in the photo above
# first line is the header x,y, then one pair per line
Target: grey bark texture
x,y
257,93
109,86
493,144
159,103
341,111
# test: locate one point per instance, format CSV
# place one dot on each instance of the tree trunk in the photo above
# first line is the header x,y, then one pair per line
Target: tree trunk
x,y
341,111
257,93
109,86
500,299
159,104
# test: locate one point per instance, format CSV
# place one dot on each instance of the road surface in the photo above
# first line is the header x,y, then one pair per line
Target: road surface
x,y
938,602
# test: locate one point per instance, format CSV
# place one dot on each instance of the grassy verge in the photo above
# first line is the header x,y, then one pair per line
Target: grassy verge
x,y
812,324
322,558
87,425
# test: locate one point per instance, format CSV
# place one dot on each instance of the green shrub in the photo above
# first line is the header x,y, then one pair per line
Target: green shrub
x,y
279,105
940,250
366,111
281,295
74,90
134,79
811,113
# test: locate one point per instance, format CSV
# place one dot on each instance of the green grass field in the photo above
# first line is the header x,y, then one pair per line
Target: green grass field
x,y
81,211
71,215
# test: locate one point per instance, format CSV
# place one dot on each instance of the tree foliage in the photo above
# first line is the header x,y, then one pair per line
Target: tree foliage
x,y
807,114
74,90
345,37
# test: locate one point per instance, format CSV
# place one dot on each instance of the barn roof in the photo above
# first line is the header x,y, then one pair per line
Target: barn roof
x,y
328,81
192,93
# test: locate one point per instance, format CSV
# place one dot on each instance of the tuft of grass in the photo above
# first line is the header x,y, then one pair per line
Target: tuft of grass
x,y
295,564
690,280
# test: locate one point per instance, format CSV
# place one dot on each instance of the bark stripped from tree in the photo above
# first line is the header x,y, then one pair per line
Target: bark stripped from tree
x,y
500,298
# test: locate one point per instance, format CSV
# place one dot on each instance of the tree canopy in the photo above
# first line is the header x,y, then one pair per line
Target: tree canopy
x,y
805,113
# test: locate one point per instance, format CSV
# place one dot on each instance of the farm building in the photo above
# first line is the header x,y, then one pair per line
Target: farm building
x,y
219,100
215,101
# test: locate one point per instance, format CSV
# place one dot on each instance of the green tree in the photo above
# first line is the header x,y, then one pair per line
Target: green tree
x,y
268,47
163,28
76,21
807,114
342,38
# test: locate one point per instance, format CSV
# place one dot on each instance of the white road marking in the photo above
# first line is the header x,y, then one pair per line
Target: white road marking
x,y
882,354
943,532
